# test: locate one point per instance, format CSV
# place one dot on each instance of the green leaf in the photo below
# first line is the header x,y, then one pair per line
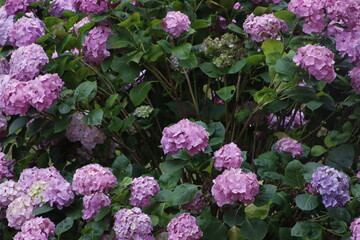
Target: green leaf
x,y
92,231
309,169
216,230
200,23
266,193
235,234
270,46
102,213
236,67
184,193
285,15
115,41
318,150
133,20
94,117
265,96
341,157
234,217
294,174
254,229
139,93
242,114
252,211
226,93
303,94
86,91
255,59
235,29
191,62
154,52
210,69
308,230
51,21
43,209
307,202
64,226
18,124
258,11
62,124
182,52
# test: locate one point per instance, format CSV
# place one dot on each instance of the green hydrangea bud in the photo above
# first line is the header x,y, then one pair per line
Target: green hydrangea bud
x,y
143,111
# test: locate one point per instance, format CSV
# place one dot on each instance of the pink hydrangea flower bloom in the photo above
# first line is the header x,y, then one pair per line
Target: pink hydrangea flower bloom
x,y
36,229
176,23
9,191
196,204
19,211
348,43
14,99
355,229
317,61
228,156
61,6
4,66
5,169
93,178
235,185
26,31
237,6
184,227
142,189
184,135
289,145
6,22
355,78
12,7
93,203
132,224
95,45
263,27
92,6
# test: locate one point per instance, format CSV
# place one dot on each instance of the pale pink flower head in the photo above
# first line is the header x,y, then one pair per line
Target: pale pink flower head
x,y
6,22
142,189
184,227
5,168
355,229
14,99
26,31
9,191
176,23
93,203
61,6
93,178
92,6
184,135
318,61
19,211
38,228
235,185
355,78
228,156
289,145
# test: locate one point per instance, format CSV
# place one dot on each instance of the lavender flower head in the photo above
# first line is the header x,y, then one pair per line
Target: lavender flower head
x,y
228,156
355,229
332,185
348,43
317,60
176,23
237,6
196,204
5,169
26,31
184,227
61,6
93,178
289,145
36,229
27,61
14,99
263,27
19,211
92,6
234,185
14,6
93,203
95,45
132,224
142,189
184,135
355,78
6,22
297,121
9,191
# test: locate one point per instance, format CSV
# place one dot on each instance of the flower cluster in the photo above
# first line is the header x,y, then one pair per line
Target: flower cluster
x,y
295,120
13,98
332,185
60,6
142,189
6,22
237,6
36,229
348,43
132,224
19,211
263,27
95,45
143,111
93,203
184,227
88,135
316,60
355,78
9,191
14,6
289,145
184,135
92,6
228,156
4,66
355,229
5,169
196,204
176,23
234,185
26,31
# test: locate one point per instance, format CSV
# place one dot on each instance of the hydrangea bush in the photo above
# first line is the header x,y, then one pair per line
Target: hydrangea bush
x,y
179,119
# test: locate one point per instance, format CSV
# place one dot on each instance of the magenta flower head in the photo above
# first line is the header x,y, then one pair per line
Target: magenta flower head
x,y
93,178
9,191
176,23
184,227
132,224
44,90
264,27
27,61
237,6
61,6
196,204
93,203
142,189
19,211
355,229
184,135
95,45
355,78
26,31
6,22
14,99
332,185
235,185
318,61
289,145
38,228
92,6
228,156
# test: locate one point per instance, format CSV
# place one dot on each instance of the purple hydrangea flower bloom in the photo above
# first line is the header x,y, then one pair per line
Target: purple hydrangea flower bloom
x,y
317,61
26,31
263,27
176,23
235,185
93,178
36,229
237,6
184,227
14,99
61,6
348,43
132,224
95,45
5,169
142,189
9,191
4,66
228,156
355,78
184,135
19,211
6,22
332,185
289,145
355,229
12,7
298,121
196,205
93,203
92,6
